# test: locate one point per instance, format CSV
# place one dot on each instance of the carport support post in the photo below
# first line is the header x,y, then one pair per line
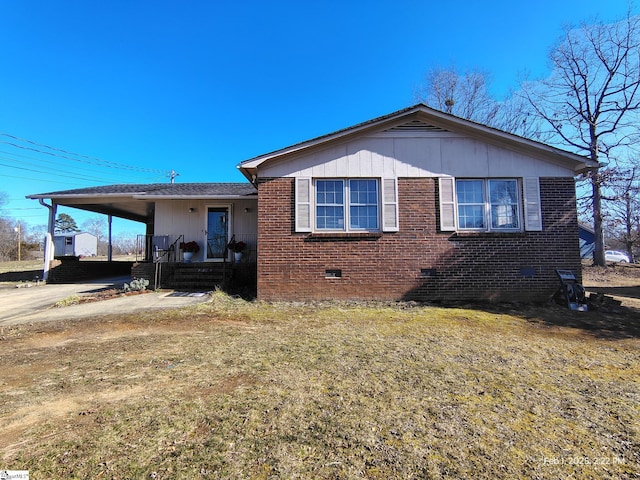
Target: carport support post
x,y
109,248
48,243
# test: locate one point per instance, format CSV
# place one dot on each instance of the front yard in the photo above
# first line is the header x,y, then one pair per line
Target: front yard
x,y
233,389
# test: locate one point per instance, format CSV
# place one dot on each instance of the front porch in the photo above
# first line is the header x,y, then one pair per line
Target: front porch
x,y
234,278
240,247
226,264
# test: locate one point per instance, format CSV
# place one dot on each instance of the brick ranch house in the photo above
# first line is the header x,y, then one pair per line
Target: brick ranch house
x,y
414,205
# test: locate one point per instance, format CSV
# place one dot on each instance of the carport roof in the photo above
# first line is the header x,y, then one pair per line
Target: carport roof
x,y
137,201
158,189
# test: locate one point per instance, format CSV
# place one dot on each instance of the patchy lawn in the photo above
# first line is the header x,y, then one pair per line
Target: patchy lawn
x,y
25,270
233,389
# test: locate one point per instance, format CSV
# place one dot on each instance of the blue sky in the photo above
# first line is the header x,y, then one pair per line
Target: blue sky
x,y
198,86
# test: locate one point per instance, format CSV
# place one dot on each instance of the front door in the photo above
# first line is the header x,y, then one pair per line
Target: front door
x,y
217,232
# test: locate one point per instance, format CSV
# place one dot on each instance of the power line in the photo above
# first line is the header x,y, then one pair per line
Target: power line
x,y
41,164
58,172
56,163
81,177
81,158
43,216
41,180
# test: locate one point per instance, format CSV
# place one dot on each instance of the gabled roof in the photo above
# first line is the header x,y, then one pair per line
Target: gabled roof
x,y
421,117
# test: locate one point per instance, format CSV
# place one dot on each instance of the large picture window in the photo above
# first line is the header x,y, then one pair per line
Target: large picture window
x,y
488,204
347,205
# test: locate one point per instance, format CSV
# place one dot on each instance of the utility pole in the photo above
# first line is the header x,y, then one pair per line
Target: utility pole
x,y
172,175
18,230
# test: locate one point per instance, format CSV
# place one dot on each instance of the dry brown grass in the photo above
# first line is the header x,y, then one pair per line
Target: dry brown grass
x,y
232,389
25,270
21,266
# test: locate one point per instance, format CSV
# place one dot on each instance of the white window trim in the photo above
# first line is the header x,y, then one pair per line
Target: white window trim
x,y
304,205
346,206
528,196
487,207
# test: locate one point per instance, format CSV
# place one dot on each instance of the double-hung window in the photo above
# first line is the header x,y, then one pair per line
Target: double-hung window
x,y
347,205
488,204
350,205
504,204
363,204
330,204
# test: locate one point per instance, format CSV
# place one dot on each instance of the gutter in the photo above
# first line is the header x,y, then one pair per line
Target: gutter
x,y
82,195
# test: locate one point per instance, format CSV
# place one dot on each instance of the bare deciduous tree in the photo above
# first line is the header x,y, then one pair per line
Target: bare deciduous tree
x,y
469,96
124,243
97,226
623,208
590,100
8,239
35,235
466,96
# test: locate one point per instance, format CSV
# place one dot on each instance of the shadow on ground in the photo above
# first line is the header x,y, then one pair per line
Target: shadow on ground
x,y
627,292
26,276
609,322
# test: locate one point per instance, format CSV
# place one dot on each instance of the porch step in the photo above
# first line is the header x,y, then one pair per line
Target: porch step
x,y
198,276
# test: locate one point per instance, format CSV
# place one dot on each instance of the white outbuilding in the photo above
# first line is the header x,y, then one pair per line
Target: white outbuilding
x,y
76,245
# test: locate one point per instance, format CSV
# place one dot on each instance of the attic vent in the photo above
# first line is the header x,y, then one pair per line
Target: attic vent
x,y
416,126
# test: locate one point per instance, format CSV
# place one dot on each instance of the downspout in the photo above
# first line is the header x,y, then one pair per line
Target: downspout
x,y
110,248
48,241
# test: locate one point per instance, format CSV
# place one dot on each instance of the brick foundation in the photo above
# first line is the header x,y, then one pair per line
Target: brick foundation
x,y
419,262
72,270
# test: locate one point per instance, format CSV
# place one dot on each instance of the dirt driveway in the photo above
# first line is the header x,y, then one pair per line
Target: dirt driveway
x,y
36,303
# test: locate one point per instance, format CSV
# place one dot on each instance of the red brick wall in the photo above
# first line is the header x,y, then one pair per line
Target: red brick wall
x,y
419,262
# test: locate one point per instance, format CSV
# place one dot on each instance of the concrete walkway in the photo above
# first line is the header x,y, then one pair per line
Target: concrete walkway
x,y
35,304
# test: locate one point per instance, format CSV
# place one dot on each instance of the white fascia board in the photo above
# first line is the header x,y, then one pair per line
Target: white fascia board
x,y
83,195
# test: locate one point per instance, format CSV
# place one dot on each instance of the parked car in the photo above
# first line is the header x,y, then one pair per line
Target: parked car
x,y
615,256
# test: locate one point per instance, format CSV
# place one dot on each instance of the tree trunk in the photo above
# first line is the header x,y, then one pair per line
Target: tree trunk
x,y
629,227
598,252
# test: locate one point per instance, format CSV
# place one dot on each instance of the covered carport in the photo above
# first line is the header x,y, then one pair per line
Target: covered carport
x,y
120,201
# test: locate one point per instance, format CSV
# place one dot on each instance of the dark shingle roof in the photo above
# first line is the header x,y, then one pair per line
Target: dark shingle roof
x,y
160,190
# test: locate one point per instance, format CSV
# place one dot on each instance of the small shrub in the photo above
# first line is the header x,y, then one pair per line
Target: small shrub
x,y
67,301
136,285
